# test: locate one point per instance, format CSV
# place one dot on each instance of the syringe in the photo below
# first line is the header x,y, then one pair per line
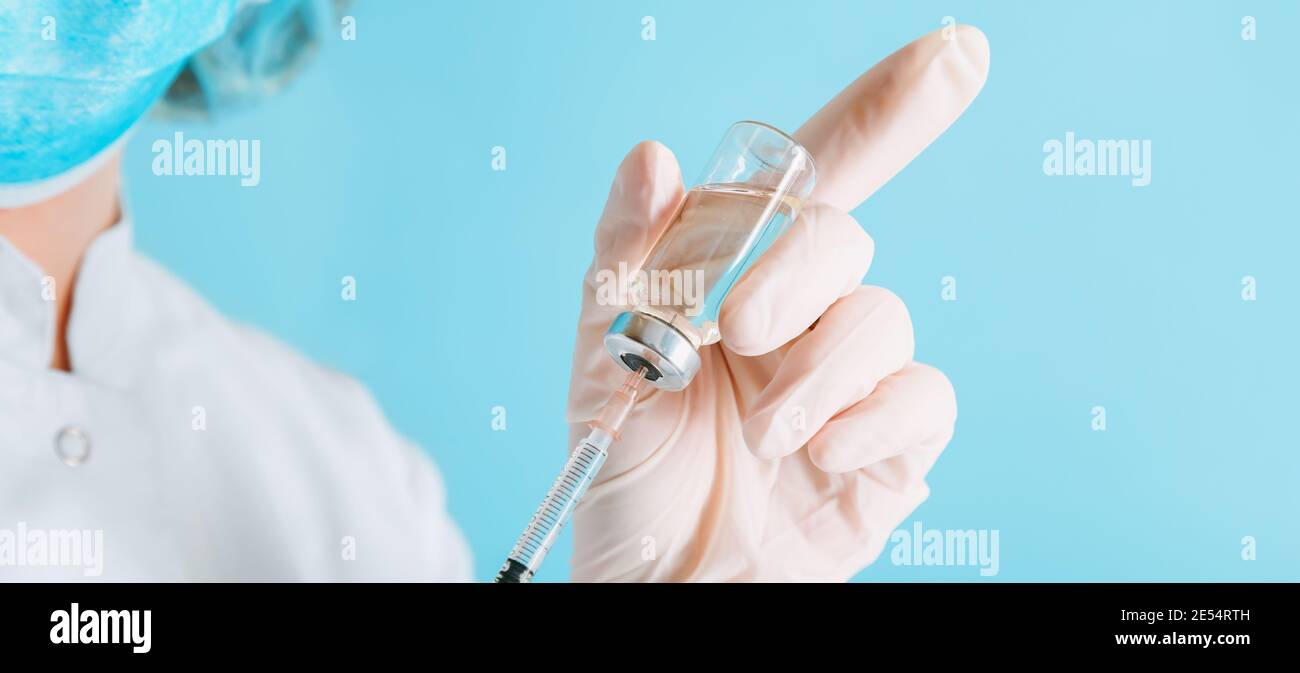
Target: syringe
x,y
567,491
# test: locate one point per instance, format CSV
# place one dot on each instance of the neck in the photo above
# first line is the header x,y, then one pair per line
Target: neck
x,y
56,233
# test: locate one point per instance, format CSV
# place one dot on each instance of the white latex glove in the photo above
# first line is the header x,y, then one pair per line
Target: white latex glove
x,y
805,438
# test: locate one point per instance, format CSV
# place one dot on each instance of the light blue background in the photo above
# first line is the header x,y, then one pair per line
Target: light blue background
x,y
1073,291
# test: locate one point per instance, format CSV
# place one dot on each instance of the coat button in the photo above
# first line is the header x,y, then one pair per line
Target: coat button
x,y
72,446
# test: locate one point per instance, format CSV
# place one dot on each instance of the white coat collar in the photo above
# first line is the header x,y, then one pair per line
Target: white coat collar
x,y
104,288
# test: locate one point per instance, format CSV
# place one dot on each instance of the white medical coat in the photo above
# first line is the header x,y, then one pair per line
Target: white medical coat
x,y
195,448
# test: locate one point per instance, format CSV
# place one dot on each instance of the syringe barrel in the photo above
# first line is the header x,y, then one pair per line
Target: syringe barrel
x,y
565,494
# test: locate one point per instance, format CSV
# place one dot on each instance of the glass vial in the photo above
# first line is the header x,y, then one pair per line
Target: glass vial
x,y
750,192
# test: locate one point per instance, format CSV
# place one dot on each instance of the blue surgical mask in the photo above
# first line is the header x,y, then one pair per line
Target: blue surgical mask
x,y
75,76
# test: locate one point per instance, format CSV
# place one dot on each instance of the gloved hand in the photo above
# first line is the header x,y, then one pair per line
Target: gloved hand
x,y
805,437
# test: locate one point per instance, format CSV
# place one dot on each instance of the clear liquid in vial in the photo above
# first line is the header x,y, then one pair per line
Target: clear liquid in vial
x,y
715,236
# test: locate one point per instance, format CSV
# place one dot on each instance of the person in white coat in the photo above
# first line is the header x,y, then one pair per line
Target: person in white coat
x,y
198,448
143,436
